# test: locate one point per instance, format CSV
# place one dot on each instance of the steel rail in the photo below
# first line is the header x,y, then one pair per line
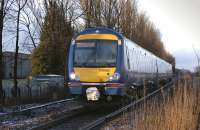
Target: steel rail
x,y
102,120
37,107
65,116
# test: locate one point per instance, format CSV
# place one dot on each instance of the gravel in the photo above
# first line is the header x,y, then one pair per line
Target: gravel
x,y
37,116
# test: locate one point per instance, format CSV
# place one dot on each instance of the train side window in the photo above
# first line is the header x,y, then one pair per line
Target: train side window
x,y
133,57
137,59
128,62
127,58
145,62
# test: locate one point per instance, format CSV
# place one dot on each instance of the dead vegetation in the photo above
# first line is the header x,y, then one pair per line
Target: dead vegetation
x,y
177,110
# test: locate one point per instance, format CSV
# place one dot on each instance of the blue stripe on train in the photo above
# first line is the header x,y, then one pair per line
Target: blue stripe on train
x,y
108,90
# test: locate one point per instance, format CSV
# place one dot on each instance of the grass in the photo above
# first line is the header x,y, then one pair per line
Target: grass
x,y
164,112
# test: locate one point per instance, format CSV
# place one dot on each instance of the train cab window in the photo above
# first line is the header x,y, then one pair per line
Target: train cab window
x,y
95,53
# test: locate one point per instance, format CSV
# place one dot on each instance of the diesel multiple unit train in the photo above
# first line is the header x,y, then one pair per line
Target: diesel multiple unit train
x,y
103,64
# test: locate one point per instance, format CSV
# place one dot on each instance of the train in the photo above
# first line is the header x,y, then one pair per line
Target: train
x,y
104,64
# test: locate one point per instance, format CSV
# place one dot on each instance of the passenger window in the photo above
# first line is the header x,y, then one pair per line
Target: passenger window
x,y
128,61
133,59
127,58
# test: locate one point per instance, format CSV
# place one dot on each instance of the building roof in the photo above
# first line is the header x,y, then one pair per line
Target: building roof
x,y
12,54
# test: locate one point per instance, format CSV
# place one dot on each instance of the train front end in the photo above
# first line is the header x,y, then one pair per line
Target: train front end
x,y
94,65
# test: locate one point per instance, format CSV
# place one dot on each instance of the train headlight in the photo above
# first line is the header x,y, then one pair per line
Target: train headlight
x,y
73,76
114,77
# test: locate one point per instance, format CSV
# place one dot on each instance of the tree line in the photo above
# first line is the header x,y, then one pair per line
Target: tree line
x,y
121,15
49,25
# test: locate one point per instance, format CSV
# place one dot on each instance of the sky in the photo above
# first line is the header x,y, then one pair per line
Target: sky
x,y
178,22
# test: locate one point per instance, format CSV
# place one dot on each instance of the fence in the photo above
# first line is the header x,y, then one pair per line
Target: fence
x,y
32,93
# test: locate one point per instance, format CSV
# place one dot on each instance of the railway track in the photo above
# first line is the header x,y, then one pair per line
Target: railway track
x,y
94,119
33,117
58,120
77,117
43,106
97,124
89,115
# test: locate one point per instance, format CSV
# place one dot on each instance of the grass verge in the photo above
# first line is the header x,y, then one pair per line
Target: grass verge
x,y
166,111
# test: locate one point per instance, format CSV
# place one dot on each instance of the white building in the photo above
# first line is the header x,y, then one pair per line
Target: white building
x,y
23,68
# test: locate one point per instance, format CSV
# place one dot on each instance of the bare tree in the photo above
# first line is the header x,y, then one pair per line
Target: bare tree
x,y
196,54
197,68
33,17
20,6
4,9
27,22
1,47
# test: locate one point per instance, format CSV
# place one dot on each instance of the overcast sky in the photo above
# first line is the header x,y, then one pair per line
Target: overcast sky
x,y
178,22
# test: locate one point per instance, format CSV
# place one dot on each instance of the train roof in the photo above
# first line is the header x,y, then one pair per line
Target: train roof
x,y
105,30
100,30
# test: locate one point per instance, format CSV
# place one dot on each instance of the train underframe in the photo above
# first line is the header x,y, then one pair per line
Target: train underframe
x,y
107,92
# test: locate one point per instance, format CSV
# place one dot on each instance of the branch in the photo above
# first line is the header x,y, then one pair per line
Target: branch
x,y
198,59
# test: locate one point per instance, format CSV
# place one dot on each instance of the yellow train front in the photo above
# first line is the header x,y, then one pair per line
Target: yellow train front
x,y
100,65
